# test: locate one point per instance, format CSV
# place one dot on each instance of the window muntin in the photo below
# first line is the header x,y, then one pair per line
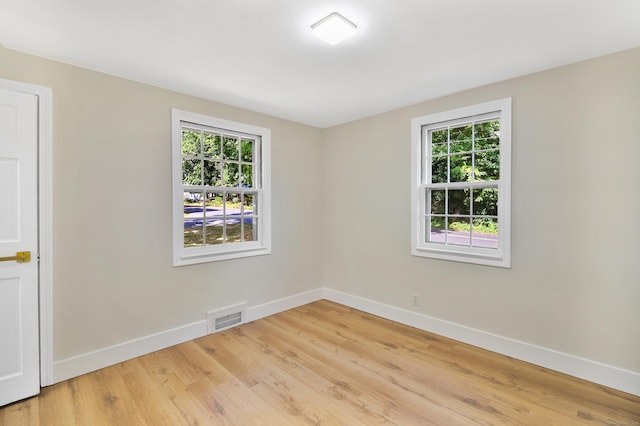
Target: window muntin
x,y
462,191
218,173
221,191
468,152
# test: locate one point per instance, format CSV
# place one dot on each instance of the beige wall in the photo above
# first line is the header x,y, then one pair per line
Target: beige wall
x,y
113,274
574,285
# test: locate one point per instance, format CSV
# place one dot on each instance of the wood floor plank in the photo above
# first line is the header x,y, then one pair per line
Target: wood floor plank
x,y
500,372
324,363
460,383
152,404
56,403
232,403
20,414
377,400
173,389
296,396
422,406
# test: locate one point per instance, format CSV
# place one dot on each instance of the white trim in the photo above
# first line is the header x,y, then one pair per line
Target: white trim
x,y
491,257
614,377
91,361
45,219
593,371
280,305
188,256
101,358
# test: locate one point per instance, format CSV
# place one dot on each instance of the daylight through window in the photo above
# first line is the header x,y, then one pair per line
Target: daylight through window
x,y
221,194
462,192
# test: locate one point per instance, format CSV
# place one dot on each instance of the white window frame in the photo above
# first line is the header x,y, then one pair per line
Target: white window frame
x,y
211,253
421,176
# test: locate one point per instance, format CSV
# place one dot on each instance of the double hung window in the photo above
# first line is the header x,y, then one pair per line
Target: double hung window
x,y
461,184
221,202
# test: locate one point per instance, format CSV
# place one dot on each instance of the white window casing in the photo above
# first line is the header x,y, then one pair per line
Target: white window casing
x,y
250,217
430,232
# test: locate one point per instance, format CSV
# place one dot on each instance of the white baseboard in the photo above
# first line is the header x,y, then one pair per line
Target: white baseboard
x,y
91,361
626,381
613,377
272,308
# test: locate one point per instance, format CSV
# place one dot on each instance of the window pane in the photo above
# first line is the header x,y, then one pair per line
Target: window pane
x,y
248,218
461,133
193,219
231,174
214,214
490,143
487,166
436,201
459,232
191,172
193,234
485,233
464,145
234,230
250,229
460,168
459,202
439,170
487,135
436,233
193,204
248,202
246,179
214,203
440,137
233,218
247,150
212,145
460,139
231,148
215,231
232,203
485,202
213,207
440,147
190,142
212,173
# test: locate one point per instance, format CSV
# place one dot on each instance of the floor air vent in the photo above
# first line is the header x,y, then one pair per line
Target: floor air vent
x,y
224,318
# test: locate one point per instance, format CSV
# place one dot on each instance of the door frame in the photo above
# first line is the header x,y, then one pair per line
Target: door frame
x,y
45,220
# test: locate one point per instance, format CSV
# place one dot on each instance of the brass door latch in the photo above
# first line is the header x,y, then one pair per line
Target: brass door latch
x,y
20,257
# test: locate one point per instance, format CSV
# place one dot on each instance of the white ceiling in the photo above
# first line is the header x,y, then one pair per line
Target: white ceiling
x,y
260,54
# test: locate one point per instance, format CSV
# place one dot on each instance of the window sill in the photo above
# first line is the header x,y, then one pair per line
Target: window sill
x,y
477,257
209,256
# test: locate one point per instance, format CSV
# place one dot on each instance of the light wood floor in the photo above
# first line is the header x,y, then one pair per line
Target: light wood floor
x,y
327,364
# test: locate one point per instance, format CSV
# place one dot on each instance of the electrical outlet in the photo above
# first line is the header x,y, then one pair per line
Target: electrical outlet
x,y
415,299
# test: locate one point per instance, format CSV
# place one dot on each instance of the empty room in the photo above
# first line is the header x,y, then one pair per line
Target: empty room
x,y
314,212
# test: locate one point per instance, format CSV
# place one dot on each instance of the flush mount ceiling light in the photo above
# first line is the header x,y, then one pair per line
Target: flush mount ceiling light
x,y
334,28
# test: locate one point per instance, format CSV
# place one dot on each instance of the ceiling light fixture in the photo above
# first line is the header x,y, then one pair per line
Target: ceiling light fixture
x,y
334,28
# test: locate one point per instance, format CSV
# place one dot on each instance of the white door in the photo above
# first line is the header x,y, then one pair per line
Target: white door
x,y
19,337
